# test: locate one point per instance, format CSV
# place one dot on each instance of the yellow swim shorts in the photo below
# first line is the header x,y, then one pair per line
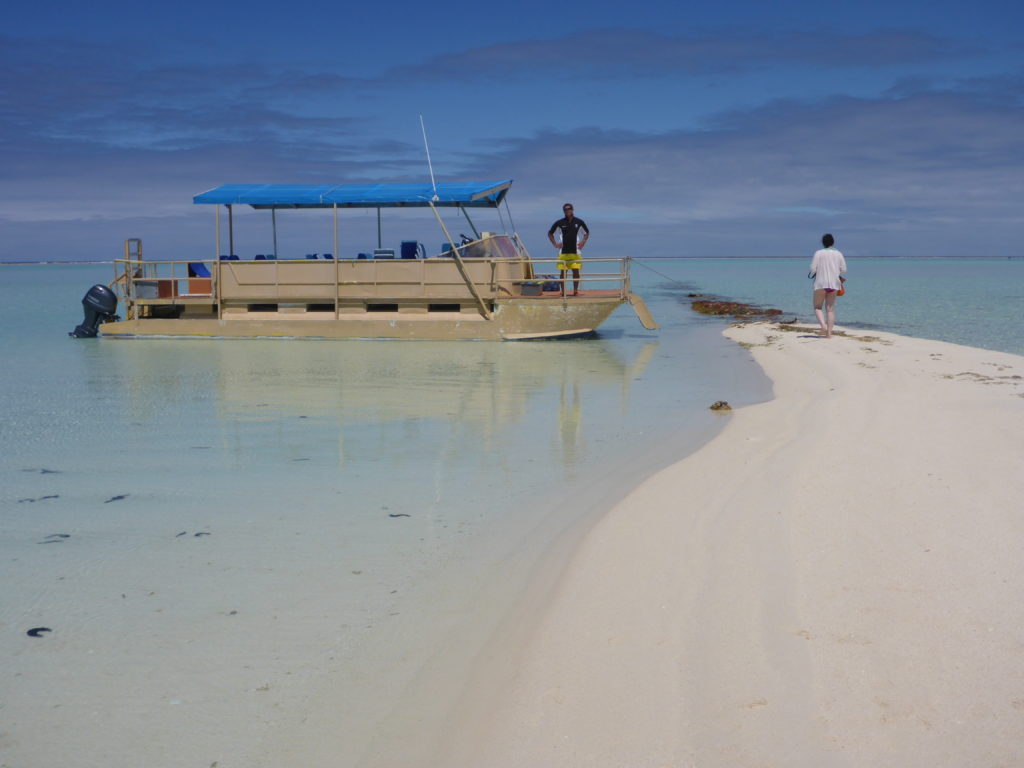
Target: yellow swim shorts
x,y
569,261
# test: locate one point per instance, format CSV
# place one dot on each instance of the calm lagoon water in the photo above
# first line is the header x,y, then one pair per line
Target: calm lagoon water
x,y
199,520
285,515
976,302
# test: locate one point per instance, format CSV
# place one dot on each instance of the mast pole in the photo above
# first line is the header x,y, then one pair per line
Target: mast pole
x,y
462,267
430,165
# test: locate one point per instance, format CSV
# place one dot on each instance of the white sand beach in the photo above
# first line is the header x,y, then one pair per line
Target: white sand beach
x,y
834,580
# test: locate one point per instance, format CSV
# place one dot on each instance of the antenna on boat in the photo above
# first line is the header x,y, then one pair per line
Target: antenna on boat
x,y
430,165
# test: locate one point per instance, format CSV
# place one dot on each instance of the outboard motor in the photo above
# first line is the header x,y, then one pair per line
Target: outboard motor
x,y
99,304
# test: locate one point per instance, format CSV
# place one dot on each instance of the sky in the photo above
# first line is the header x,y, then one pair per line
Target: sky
x,y
675,128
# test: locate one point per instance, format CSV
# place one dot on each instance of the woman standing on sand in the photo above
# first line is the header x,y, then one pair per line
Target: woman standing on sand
x,y
828,268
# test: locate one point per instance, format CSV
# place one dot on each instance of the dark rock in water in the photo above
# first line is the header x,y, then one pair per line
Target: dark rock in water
x,y
38,631
116,498
400,514
721,405
733,308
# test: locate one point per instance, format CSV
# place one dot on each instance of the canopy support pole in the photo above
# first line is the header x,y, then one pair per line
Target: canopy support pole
x,y
471,224
231,231
216,235
273,226
462,267
511,224
336,254
378,227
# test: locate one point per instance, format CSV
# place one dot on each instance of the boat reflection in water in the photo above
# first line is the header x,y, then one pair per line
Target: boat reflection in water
x,y
273,400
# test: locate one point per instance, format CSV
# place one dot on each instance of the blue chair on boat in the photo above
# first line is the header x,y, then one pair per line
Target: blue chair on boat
x,y
363,256
411,249
271,257
233,257
446,249
260,257
329,256
310,255
224,257
199,282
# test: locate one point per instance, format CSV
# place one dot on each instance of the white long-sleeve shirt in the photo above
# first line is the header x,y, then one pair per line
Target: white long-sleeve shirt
x,y
826,266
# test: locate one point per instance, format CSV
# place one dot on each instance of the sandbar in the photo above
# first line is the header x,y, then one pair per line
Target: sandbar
x,y
835,579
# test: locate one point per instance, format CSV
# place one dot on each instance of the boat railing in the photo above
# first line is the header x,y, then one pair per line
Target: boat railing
x,y
613,274
213,282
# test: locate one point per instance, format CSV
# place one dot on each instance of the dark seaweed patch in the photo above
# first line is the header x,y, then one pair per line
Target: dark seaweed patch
x,y
54,538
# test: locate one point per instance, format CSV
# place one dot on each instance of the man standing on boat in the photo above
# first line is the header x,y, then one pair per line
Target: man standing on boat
x,y
569,248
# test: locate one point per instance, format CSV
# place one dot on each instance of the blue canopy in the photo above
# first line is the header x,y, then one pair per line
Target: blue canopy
x,y
482,194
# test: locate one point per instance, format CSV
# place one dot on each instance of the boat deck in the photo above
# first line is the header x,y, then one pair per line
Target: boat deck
x,y
593,293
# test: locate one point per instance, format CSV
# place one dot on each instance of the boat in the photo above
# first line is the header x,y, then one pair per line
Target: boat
x,y
484,287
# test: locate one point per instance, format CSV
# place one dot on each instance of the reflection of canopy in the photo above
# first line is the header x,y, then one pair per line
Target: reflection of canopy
x,y
481,194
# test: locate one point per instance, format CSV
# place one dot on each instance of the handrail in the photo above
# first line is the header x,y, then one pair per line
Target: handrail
x,y
133,270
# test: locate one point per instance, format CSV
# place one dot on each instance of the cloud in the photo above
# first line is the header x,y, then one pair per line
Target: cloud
x,y
645,53
929,173
69,91
933,172
94,137
92,133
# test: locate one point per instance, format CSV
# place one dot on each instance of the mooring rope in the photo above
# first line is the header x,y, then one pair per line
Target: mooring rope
x,y
661,274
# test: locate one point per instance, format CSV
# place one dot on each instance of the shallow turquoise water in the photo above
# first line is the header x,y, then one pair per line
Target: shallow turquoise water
x,y
340,487
168,420
310,489
207,409
977,302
